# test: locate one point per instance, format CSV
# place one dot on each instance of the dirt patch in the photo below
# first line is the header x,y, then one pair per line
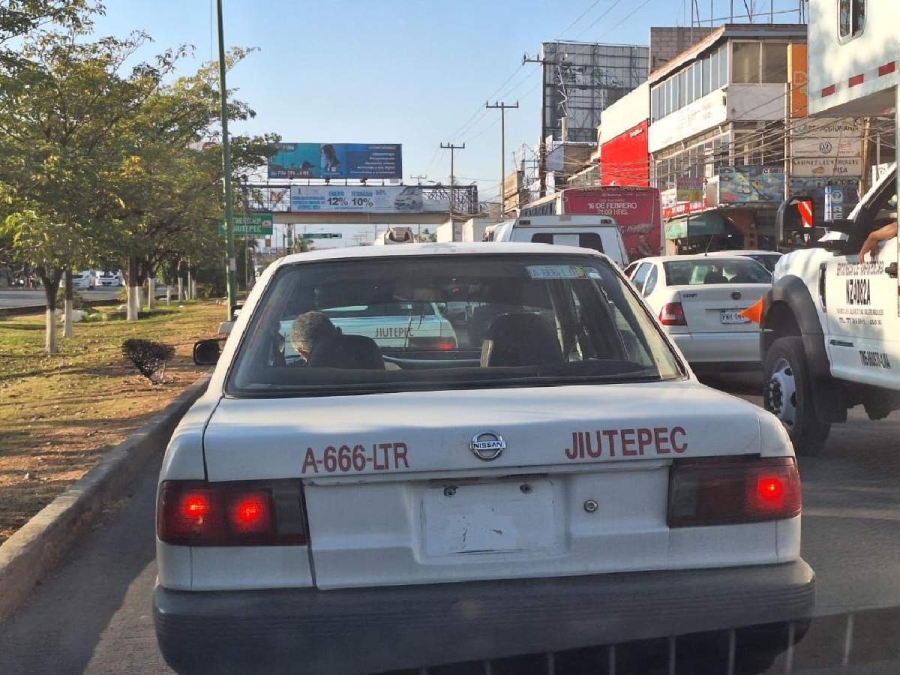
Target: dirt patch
x,y
59,414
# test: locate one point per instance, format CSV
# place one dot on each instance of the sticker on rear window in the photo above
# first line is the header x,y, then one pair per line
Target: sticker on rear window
x,y
562,272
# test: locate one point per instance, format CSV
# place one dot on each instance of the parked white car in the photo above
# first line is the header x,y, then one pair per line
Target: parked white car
x,y
564,479
107,278
84,280
699,300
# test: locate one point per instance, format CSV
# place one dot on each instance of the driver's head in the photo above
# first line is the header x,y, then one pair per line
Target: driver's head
x,y
309,329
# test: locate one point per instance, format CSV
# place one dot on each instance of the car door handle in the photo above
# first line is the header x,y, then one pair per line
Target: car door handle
x,y
891,270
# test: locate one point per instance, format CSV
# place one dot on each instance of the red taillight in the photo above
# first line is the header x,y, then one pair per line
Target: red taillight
x,y
250,514
672,315
196,513
733,490
432,344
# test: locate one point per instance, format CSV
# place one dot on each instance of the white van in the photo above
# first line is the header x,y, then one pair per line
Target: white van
x,y
596,232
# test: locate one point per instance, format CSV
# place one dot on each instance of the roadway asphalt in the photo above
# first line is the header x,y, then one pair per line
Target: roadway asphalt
x,y
35,298
93,615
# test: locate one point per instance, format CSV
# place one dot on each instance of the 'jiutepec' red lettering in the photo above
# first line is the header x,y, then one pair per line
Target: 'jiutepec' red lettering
x,y
632,442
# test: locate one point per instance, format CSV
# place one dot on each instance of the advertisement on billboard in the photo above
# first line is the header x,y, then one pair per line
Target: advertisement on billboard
x,y
797,72
636,211
827,147
337,160
749,184
360,199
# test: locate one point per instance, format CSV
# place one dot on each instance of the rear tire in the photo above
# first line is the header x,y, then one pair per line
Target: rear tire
x,y
787,394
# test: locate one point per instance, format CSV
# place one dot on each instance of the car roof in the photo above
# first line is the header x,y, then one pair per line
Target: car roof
x,y
744,253
698,256
454,248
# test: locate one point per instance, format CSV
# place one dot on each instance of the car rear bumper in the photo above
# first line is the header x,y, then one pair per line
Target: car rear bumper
x,y
720,348
378,629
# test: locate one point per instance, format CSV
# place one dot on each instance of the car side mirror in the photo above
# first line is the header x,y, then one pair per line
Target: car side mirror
x,y
207,352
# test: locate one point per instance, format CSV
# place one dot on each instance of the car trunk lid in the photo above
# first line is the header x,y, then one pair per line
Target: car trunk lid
x,y
457,485
716,308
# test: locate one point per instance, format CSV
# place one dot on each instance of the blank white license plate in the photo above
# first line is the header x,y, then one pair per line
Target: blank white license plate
x,y
733,316
489,518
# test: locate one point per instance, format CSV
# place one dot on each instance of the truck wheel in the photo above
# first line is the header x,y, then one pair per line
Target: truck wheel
x,y
787,394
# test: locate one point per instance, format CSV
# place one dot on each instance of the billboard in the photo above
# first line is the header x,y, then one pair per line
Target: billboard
x,y
362,199
827,147
749,184
337,160
636,211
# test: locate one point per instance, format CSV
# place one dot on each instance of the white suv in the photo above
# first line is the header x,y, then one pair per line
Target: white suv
x,y
553,484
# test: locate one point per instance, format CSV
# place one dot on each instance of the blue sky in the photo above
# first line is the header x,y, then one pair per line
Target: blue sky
x,y
397,71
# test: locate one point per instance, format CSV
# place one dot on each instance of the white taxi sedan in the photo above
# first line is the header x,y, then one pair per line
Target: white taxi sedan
x,y
699,300
562,483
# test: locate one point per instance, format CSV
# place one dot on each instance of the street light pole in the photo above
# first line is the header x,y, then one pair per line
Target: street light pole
x,y
502,107
226,168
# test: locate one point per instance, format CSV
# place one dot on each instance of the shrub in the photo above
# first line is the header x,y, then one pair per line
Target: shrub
x,y
149,357
77,298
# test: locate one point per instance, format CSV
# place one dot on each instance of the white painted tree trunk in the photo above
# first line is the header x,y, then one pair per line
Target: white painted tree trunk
x,y
169,293
51,342
68,304
190,286
133,304
151,293
193,289
67,318
180,289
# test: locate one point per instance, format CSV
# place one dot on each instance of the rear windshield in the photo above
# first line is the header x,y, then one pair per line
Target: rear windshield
x,y
448,322
715,271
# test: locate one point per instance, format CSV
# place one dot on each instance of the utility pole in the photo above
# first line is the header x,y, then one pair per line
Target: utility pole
x,y
502,107
226,168
452,148
542,147
419,178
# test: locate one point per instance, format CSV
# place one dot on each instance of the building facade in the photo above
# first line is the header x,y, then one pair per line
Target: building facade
x,y
717,119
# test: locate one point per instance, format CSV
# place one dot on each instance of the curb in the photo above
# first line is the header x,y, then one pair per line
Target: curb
x,y
43,542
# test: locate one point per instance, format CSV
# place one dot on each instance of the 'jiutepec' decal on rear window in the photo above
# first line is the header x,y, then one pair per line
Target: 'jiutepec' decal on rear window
x,y
356,459
634,442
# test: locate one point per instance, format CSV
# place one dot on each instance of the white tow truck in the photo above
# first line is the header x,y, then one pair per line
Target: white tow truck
x,y
830,335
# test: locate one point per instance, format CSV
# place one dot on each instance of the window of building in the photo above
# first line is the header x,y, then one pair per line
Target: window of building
x,y
723,66
697,72
774,62
704,76
745,67
851,18
714,71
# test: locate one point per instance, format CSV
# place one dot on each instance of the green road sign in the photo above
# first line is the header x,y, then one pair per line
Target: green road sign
x,y
251,225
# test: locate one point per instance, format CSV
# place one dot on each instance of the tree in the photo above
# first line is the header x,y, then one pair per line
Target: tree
x,y
170,188
62,107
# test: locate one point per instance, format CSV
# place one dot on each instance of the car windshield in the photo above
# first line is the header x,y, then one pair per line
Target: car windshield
x,y
442,322
716,270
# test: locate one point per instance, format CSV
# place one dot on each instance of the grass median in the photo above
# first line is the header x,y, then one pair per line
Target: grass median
x,y
59,414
